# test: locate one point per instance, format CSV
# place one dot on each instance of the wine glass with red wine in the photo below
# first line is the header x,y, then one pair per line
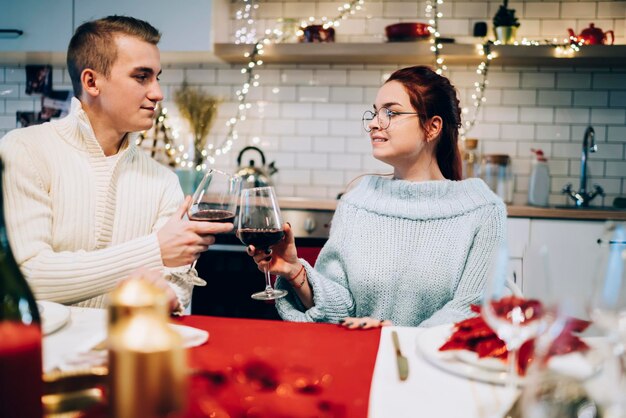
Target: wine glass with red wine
x,y
215,199
261,225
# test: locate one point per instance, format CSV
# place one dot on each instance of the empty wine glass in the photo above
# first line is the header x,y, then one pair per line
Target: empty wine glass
x,y
513,318
608,306
261,225
557,305
554,386
215,199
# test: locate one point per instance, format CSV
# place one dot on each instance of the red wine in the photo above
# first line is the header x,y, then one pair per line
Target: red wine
x,y
213,215
261,238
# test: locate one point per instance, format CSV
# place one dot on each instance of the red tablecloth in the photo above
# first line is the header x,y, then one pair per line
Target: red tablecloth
x,y
258,368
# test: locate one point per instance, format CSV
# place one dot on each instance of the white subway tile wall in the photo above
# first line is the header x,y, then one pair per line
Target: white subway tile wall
x,y
306,118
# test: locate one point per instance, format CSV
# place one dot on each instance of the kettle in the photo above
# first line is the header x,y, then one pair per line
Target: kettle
x,y
252,176
592,35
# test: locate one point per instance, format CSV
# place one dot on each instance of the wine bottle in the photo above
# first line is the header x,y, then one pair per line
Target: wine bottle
x,y
21,384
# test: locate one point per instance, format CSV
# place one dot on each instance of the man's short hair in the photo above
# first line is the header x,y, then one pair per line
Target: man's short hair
x,y
93,45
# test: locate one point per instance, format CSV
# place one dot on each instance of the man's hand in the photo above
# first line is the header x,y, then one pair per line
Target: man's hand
x,y
182,241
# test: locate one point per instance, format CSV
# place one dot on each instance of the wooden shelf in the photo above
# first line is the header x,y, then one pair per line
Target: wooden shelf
x,y
404,53
419,53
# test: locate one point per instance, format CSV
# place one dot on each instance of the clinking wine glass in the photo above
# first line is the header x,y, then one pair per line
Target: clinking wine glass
x,y
261,225
215,199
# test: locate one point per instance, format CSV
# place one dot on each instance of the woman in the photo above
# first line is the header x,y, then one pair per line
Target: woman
x,y
412,249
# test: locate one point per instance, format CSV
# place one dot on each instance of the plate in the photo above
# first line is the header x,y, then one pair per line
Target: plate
x,y
53,316
488,363
466,364
427,345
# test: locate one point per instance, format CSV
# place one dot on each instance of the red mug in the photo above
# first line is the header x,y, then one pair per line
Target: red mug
x,y
407,31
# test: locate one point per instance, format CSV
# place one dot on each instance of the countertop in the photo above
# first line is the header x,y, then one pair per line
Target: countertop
x,y
514,211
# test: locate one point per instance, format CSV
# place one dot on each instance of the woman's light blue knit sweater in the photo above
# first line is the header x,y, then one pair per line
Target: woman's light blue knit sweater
x,y
413,253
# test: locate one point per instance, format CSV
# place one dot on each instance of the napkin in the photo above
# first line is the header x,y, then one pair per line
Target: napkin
x,y
192,337
475,335
72,347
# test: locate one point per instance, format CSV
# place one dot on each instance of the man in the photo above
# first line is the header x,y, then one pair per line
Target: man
x,y
84,206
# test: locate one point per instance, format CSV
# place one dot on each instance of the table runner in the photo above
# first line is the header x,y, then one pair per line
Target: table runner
x,y
281,369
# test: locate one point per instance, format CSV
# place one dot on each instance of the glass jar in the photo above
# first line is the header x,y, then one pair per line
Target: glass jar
x,y
496,172
470,158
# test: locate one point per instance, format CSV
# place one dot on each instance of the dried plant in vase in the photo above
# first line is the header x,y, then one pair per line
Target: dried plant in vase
x,y
199,108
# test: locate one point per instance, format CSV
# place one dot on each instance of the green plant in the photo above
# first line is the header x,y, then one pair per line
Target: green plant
x,y
505,16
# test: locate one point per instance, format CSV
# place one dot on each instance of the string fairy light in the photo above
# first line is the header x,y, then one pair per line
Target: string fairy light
x,y
432,12
246,33
254,61
567,49
478,97
436,46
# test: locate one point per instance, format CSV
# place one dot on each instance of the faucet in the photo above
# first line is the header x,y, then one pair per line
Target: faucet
x,y
582,197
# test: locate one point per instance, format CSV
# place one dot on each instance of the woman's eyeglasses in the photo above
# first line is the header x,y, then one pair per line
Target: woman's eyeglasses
x,y
384,117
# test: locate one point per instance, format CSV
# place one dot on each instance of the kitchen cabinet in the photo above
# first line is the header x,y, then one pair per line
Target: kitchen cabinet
x,y
419,53
573,252
192,25
518,230
189,29
49,31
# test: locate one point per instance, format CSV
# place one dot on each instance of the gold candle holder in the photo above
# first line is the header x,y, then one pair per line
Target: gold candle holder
x,y
147,362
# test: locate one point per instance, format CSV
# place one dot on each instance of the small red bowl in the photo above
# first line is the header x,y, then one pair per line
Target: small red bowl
x,y
407,31
317,33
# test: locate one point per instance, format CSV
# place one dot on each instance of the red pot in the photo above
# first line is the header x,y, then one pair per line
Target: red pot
x,y
592,36
407,31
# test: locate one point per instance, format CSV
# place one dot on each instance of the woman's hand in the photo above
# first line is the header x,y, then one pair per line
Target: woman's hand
x,y
282,258
364,323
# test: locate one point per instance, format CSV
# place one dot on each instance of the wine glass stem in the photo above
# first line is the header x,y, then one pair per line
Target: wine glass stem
x,y
268,283
192,265
511,382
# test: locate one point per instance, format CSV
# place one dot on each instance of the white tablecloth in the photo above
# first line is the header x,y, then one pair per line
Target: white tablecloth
x,y
428,391
87,327
69,348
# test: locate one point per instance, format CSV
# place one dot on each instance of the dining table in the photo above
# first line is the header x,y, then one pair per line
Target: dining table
x,y
269,368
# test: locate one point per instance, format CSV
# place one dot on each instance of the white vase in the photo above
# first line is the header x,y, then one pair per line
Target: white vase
x,y
506,34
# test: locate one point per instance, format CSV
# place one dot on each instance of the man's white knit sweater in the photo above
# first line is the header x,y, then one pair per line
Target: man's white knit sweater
x,y
415,253
79,222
